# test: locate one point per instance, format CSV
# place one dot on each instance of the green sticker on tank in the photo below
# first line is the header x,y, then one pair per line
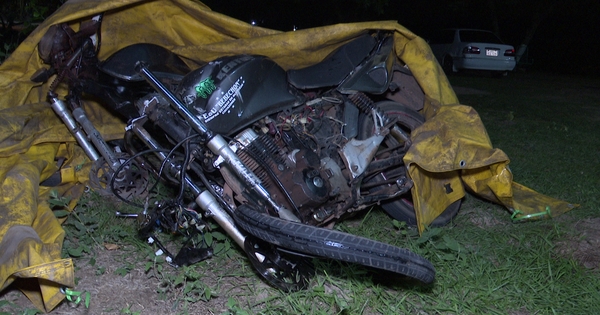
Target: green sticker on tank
x,y
205,87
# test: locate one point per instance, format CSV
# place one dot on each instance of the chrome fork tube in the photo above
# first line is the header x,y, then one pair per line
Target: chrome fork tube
x,y
208,203
96,138
60,108
204,198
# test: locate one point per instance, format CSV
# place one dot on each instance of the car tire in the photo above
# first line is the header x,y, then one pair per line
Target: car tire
x,y
448,65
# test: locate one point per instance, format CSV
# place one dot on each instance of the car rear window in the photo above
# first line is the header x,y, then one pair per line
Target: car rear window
x,y
479,37
442,37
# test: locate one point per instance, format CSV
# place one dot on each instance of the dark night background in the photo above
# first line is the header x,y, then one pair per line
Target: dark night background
x,y
565,41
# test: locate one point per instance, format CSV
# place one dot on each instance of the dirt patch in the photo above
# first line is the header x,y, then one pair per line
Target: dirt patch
x,y
585,246
137,291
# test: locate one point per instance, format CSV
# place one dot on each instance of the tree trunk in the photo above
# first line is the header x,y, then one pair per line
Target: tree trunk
x,y
542,11
494,17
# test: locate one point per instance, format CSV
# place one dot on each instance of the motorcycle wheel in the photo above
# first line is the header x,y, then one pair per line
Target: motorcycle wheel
x,y
333,244
402,208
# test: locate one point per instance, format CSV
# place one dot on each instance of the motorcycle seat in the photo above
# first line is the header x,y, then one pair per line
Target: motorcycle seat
x,y
335,67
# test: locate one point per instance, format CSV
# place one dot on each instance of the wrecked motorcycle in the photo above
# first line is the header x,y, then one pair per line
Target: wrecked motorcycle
x,y
274,157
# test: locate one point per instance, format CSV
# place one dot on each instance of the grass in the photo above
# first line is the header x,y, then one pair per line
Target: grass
x,y
498,269
548,126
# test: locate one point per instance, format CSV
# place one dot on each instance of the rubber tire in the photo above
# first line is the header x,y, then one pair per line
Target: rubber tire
x,y
448,65
402,208
333,244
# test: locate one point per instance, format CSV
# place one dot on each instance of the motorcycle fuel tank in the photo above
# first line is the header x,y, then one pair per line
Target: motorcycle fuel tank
x,y
232,92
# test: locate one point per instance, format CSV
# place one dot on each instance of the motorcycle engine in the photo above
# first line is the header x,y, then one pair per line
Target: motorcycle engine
x,y
296,160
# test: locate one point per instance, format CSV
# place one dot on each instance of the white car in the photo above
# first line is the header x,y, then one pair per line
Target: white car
x,y
458,49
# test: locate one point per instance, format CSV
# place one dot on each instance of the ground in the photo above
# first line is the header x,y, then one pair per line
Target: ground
x,y
115,291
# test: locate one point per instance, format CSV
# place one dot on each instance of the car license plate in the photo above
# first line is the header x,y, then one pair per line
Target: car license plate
x,y
491,52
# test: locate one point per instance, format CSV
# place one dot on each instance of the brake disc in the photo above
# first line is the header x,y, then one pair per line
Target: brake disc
x,y
282,270
131,181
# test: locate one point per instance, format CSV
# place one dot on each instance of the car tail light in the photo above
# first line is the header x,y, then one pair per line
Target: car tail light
x,y
509,53
471,50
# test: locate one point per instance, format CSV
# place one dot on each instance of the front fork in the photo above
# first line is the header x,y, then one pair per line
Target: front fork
x,y
204,198
267,260
216,143
95,148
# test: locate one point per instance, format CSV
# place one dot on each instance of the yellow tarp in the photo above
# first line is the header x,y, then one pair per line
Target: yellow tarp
x,y
451,149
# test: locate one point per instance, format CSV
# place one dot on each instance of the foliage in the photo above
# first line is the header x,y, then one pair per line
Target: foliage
x,y
89,224
82,225
19,18
234,308
187,284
